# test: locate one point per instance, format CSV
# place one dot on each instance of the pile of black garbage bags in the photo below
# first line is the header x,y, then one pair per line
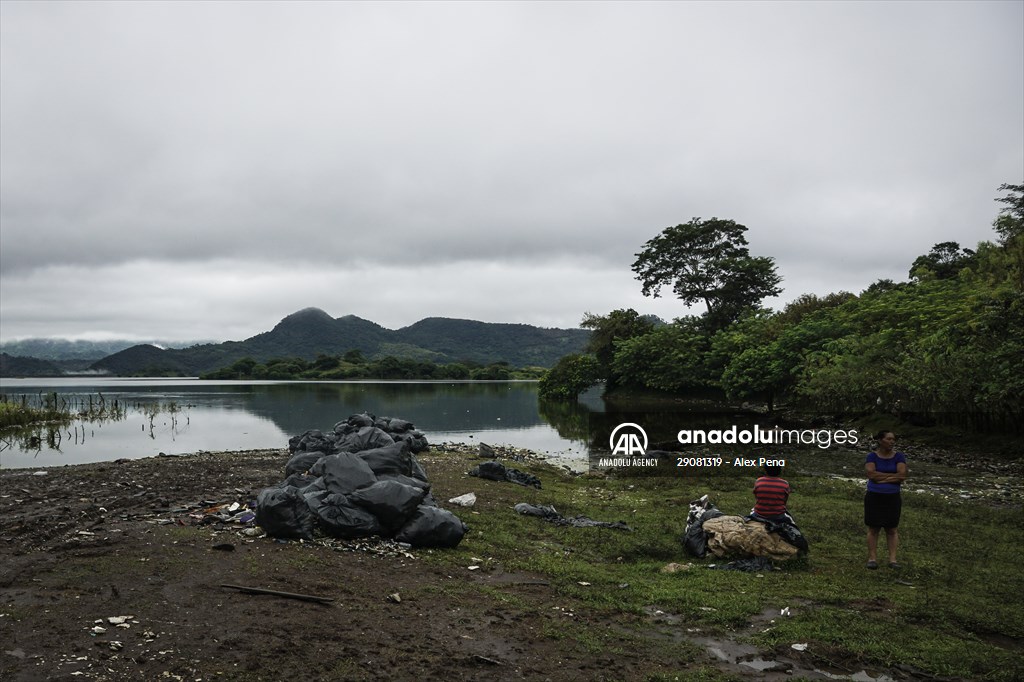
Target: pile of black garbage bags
x,y
359,480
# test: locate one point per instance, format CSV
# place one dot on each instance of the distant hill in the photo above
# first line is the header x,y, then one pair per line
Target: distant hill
x,y
142,360
312,331
17,366
77,351
520,344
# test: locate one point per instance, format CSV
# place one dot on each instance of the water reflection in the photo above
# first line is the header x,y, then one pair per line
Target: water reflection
x,y
186,415
580,421
228,415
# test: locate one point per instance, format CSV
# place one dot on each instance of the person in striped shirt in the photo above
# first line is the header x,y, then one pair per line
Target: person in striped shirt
x,y
771,492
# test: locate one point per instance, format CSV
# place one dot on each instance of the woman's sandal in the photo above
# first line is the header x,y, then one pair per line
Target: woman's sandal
x,y
872,565
893,565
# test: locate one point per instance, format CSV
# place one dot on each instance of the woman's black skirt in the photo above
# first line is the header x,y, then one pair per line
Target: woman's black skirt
x,y
882,510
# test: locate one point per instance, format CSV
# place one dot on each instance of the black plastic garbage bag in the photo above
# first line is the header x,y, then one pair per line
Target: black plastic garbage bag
x,y
428,498
395,425
496,471
294,441
405,480
283,513
417,441
432,527
354,422
522,478
301,462
344,473
313,440
695,541
492,471
338,517
302,482
361,420
417,470
390,459
366,438
788,532
393,503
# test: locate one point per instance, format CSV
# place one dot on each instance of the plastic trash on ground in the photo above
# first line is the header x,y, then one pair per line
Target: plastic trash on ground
x,y
358,480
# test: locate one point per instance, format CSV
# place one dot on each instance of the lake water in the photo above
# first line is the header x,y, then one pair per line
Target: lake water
x,y
228,415
232,415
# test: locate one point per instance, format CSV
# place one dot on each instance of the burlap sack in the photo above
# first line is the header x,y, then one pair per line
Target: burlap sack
x,y
733,537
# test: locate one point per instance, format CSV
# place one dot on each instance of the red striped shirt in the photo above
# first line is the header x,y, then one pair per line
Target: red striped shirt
x,y
770,493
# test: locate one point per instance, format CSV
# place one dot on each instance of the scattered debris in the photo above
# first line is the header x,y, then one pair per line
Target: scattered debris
x,y
496,471
277,593
467,500
548,513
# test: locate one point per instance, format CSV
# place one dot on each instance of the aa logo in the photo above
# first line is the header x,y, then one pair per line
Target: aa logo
x,y
628,439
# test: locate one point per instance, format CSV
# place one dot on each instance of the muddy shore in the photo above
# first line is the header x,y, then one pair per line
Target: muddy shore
x,y
117,571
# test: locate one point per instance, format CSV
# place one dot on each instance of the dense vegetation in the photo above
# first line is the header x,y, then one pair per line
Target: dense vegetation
x,y
354,365
947,345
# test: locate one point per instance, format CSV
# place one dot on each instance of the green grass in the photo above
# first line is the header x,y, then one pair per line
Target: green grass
x,y
961,562
14,415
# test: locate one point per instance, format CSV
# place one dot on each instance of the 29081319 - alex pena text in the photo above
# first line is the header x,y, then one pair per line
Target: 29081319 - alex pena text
x,y
737,462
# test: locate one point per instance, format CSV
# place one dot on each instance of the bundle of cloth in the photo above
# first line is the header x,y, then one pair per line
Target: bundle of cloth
x,y
708,530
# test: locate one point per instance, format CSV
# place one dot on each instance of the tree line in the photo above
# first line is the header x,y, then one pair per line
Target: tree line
x,y
945,345
355,365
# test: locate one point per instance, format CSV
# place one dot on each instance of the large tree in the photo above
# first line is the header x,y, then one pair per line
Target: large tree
x,y
1010,222
707,261
610,330
944,261
1010,227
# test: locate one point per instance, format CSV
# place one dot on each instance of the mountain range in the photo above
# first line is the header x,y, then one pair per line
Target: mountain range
x,y
310,332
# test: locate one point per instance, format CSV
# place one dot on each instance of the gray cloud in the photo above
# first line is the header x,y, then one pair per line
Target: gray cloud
x,y
294,144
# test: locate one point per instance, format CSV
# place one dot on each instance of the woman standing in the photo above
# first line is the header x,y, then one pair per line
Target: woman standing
x,y
886,471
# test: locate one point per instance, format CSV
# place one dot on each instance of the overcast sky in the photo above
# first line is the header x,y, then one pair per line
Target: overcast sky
x,y
185,171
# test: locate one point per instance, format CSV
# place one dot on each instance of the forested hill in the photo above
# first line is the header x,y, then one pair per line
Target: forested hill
x,y
312,332
19,366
